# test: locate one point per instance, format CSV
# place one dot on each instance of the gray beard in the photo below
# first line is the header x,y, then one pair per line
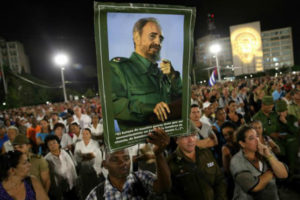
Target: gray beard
x,y
154,57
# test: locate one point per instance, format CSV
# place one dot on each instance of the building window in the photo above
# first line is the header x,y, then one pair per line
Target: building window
x,y
285,32
285,37
275,48
275,43
287,42
285,53
12,45
275,38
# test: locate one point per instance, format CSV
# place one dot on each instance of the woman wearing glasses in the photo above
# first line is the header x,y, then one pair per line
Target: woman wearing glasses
x,y
255,168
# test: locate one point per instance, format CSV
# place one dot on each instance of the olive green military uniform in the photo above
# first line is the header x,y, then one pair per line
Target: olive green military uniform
x,y
269,122
202,179
289,144
294,109
38,165
137,86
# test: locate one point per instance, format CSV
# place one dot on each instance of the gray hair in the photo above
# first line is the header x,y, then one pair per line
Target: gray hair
x,y
139,25
13,128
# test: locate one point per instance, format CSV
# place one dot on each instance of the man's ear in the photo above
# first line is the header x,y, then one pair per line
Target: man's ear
x,y
136,38
242,144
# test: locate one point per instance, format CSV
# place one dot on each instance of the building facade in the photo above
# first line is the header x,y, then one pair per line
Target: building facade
x,y
13,56
277,49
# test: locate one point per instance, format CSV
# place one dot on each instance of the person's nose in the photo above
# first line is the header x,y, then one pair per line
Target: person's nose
x,y
157,40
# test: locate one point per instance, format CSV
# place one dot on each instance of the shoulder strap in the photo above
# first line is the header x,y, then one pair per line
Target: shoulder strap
x,y
100,190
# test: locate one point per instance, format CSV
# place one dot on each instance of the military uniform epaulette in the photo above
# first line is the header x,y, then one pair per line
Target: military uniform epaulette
x,y
119,59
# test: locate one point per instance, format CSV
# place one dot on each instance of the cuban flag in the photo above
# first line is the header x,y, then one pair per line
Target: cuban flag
x,y
213,77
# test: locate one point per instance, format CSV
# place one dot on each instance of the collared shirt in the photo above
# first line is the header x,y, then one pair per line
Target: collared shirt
x,y
98,130
191,180
206,120
137,86
111,193
91,147
63,166
276,95
8,146
269,123
294,109
246,177
84,120
65,140
205,131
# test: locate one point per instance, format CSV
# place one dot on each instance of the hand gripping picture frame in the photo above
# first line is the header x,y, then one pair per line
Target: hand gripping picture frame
x,y
144,55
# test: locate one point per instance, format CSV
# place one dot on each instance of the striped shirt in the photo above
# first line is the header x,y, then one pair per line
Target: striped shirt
x,y
111,193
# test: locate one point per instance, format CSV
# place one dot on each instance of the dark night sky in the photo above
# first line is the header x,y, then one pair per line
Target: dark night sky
x,y
47,26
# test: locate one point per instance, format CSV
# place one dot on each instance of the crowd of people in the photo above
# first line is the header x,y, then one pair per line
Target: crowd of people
x,y
243,143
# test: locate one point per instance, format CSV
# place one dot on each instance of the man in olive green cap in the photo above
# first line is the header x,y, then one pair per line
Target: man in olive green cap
x,y
268,117
139,88
288,140
194,171
39,166
294,106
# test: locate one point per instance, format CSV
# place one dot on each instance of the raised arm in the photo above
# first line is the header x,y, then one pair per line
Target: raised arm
x,y
160,139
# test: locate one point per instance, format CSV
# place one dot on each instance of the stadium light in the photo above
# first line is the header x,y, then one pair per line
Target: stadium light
x,y
215,49
62,60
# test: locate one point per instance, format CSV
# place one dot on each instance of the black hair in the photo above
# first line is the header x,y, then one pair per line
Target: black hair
x,y
213,99
88,129
8,160
194,106
241,133
230,102
219,109
50,138
57,125
228,124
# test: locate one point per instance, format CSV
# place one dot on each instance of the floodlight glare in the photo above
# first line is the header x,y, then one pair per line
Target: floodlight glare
x,y
215,48
61,60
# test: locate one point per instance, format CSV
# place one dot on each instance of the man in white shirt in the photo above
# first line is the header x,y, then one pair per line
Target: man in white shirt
x,y
205,134
12,132
83,119
207,111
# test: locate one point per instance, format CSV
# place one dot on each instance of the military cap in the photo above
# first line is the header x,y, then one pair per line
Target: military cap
x,y
20,139
267,100
281,106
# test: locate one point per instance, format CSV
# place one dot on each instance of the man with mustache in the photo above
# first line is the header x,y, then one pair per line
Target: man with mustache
x,y
121,184
141,89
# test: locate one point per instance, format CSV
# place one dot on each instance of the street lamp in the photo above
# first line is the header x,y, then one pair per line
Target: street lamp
x,y
215,49
61,60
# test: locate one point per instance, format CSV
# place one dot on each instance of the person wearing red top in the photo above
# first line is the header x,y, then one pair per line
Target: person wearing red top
x,y
31,133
